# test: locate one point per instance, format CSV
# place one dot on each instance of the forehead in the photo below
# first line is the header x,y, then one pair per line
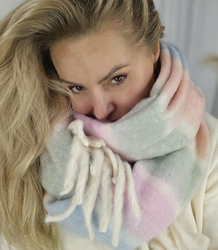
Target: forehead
x,y
106,44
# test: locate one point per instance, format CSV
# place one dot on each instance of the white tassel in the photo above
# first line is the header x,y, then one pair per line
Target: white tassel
x,y
82,177
118,202
107,198
96,143
64,215
73,166
76,128
132,193
86,177
92,190
114,164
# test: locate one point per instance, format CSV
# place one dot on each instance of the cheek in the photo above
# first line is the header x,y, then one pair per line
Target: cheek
x,y
135,92
81,106
128,98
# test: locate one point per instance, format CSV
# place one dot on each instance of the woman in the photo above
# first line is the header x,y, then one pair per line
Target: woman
x,y
135,165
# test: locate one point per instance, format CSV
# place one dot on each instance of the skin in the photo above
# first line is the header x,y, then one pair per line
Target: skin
x,y
84,66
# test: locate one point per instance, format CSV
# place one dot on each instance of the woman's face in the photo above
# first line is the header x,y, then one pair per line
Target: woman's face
x,y
106,77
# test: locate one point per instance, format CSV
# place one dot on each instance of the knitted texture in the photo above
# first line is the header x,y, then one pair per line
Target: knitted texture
x,y
123,183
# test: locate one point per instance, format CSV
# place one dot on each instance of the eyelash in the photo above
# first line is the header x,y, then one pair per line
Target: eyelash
x,y
123,78
72,87
118,83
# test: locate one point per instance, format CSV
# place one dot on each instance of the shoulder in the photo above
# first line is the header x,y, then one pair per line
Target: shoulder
x,y
212,124
210,201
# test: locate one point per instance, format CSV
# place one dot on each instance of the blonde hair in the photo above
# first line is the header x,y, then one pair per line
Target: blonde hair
x,y
32,99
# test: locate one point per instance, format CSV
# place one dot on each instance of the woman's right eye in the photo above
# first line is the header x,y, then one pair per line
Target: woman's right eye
x,y
76,89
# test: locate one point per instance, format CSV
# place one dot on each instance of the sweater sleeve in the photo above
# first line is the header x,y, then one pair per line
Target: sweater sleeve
x,y
210,215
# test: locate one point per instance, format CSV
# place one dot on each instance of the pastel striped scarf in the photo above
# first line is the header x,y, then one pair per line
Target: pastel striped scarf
x,y
123,183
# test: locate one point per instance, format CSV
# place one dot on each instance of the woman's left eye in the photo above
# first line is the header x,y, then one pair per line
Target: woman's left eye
x,y
118,79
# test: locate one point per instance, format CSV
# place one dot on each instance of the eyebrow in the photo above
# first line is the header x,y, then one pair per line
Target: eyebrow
x,y
111,72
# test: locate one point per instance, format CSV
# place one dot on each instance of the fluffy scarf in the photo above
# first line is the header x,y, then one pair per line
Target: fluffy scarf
x,y
124,183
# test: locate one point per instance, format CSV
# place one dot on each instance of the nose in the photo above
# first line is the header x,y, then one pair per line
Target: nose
x,y
103,107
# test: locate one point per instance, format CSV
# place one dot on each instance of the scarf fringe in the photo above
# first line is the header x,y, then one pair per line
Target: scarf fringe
x,y
105,171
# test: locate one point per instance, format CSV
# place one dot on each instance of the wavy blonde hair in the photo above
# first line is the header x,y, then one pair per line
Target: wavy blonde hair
x,y
32,99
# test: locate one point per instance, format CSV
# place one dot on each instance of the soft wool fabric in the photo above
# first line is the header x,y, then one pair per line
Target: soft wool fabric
x,y
124,183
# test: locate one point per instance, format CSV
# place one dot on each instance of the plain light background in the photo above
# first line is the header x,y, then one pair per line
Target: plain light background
x,y
191,25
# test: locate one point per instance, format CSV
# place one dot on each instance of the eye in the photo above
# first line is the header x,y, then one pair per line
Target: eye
x,y
118,79
76,89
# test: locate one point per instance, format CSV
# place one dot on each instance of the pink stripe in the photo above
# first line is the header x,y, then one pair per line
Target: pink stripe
x,y
202,141
171,86
157,209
